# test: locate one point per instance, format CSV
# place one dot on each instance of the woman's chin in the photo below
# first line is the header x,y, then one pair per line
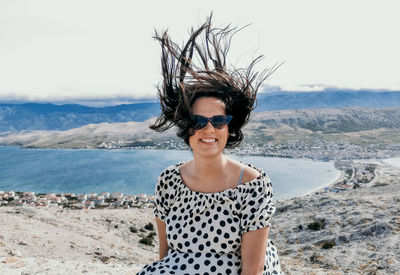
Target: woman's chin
x,y
208,152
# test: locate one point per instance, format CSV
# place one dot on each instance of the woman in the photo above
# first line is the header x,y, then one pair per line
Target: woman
x,y
212,212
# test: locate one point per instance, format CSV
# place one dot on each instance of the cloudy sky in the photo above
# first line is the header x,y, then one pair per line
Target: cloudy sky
x,y
71,50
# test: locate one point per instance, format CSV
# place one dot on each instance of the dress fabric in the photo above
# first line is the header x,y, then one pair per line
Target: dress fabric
x,y
204,229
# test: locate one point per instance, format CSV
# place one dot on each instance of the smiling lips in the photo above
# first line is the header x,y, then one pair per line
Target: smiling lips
x,y
208,140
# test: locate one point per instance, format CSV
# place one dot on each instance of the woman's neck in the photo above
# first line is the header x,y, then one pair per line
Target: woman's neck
x,y
209,168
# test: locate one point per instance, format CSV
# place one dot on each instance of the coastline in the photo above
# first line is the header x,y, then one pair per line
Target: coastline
x,y
351,231
340,177
136,172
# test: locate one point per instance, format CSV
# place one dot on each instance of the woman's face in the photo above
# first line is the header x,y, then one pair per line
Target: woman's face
x,y
209,141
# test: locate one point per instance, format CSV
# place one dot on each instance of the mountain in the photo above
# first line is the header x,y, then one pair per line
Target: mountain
x,y
331,120
88,136
359,126
327,99
35,116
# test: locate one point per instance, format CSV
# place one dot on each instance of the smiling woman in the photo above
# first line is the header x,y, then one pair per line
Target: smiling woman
x,y
212,212
209,140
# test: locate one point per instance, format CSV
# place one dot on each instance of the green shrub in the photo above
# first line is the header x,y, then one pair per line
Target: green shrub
x,y
149,226
328,244
133,229
318,224
146,240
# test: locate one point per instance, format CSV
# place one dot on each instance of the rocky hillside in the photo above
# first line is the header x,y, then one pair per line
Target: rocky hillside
x,y
332,120
360,126
88,136
33,116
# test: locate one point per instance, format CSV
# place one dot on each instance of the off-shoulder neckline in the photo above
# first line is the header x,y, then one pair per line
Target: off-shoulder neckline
x,y
228,190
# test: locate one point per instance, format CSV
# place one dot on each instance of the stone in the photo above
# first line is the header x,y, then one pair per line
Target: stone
x,y
18,264
10,260
16,253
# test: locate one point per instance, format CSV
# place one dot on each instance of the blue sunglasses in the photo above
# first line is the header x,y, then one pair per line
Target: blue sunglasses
x,y
218,122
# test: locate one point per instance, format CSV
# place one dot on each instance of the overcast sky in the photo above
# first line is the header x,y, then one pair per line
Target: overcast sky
x,y
53,50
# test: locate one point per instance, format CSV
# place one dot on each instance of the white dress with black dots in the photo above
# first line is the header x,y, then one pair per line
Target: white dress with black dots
x,y
204,229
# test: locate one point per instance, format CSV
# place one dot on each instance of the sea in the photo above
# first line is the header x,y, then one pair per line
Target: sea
x,y
393,161
136,171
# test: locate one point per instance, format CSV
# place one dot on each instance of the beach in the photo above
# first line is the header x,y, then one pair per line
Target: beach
x,y
338,229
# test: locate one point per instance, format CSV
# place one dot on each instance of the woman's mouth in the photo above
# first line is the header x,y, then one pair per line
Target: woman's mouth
x,y
208,140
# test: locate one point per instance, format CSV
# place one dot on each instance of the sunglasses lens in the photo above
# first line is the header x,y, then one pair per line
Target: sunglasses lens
x,y
199,122
219,121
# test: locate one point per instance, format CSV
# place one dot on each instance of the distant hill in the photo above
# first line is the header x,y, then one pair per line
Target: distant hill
x,y
327,99
360,126
35,116
331,120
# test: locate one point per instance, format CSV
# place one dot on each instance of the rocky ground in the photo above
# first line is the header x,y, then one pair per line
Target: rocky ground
x,y
56,241
351,232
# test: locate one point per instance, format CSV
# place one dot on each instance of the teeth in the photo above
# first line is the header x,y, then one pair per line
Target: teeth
x,y
208,139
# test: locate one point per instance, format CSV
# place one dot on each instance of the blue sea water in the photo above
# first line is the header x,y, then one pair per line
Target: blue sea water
x,y
136,171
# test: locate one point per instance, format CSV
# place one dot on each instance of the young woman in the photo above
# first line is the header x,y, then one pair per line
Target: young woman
x,y
212,212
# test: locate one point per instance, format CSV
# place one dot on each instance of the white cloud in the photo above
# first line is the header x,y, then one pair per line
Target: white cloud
x,y
58,50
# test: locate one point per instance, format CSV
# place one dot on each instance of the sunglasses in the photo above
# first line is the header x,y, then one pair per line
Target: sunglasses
x,y
218,122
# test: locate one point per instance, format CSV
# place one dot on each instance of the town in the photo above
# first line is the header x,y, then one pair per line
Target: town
x,y
316,150
353,175
73,201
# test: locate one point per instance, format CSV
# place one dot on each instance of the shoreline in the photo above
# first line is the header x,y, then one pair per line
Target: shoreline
x,y
339,178
248,151
353,231
139,200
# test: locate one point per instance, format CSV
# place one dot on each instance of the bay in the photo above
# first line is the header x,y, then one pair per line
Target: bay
x,y
393,161
136,171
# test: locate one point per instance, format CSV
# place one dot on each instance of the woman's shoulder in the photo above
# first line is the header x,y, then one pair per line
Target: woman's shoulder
x,y
256,178
250,172
171,169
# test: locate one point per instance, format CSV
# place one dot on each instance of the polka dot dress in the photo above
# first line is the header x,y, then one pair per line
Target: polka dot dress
x,y
204,229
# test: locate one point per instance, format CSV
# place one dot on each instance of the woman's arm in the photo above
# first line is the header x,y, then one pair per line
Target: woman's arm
x,y
253,250
162,238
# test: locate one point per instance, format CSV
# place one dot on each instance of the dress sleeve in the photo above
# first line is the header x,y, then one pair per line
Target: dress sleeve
x,y
162,196
257,206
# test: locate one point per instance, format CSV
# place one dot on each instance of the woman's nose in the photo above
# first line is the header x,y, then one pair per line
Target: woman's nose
x,y
209,126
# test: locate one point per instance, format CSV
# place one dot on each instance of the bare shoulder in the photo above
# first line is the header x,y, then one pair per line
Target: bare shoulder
x,y
250,174
185,167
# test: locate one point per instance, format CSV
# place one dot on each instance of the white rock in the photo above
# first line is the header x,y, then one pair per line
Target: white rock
x,y
16,253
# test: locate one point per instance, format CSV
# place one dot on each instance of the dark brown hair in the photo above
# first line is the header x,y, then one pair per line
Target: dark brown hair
x,y
199,70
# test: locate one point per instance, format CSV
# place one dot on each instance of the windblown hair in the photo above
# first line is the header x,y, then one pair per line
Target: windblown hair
x,y
185,80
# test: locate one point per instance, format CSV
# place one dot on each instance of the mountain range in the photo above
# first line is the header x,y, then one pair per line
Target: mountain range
x,y
359,126
37,116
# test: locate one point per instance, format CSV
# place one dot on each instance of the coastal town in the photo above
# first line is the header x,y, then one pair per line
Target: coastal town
x,y
74,201
355,215
316,150
353,175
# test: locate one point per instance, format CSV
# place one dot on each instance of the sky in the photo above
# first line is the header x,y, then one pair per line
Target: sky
x,y
96,50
